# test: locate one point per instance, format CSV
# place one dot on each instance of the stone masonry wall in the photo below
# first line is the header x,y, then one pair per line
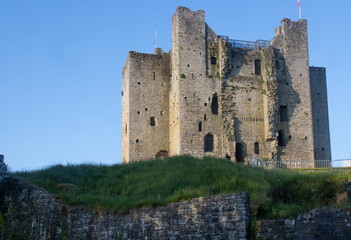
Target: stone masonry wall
x,y
320,113
327,224
291,44
36,214
193,85
145,119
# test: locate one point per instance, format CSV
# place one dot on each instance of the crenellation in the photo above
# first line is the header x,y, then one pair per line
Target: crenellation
x,y
223,100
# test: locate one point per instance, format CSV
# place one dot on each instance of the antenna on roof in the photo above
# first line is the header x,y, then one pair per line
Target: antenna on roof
x,y
155,39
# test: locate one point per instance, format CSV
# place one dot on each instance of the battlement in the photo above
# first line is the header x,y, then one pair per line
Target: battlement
x,y
214,96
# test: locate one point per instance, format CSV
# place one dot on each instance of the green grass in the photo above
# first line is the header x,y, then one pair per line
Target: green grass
x,y
277,193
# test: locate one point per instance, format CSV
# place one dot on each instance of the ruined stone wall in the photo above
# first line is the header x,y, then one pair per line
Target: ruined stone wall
x,y
316,224
192,86
145,106
37,215
320,113
294,92
249,104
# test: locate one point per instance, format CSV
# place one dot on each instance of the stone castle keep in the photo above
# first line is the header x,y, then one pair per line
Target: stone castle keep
x,y
213,96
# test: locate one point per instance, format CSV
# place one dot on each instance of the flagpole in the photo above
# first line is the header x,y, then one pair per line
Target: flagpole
x,y
300,11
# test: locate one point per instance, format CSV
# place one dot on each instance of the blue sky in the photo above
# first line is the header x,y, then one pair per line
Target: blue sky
x,y
61,67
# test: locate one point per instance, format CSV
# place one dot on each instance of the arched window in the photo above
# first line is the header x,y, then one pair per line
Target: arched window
x,y
208,147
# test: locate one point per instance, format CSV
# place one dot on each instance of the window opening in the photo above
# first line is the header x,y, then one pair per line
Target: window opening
x,y
257,66
283,113
214,104
205,117
200,126
137,140
257,148
213,60
208,143
154,75
277,64
152,121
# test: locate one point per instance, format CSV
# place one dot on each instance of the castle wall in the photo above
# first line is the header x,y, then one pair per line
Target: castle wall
x,y
146,85
125,111
38,214
320,113
294,92
225,101
192,87
244,106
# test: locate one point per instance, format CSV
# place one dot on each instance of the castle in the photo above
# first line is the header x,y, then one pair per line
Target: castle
x,y
213,96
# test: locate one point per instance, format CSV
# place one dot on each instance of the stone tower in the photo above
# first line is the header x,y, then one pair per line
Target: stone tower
x,y
211,95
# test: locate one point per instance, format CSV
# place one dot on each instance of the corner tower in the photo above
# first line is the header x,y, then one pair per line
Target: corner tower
x,y
194,90
295,135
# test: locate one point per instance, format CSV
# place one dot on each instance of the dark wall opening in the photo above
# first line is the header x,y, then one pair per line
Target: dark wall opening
x,y
152,121
257,148
214,104
208,147
239,153
200,126
257,66
162,154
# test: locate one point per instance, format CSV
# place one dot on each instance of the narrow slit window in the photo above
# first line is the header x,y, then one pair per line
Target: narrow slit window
x,y
200,126
152,121
154,75
257,66
213,60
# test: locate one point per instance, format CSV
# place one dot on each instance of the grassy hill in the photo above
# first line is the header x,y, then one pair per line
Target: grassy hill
x,y
279,193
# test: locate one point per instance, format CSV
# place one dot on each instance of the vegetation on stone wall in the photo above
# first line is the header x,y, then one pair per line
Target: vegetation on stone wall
x,y
279,193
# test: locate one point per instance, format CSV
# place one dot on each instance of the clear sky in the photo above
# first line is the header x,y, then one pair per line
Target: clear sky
x,y
61,67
